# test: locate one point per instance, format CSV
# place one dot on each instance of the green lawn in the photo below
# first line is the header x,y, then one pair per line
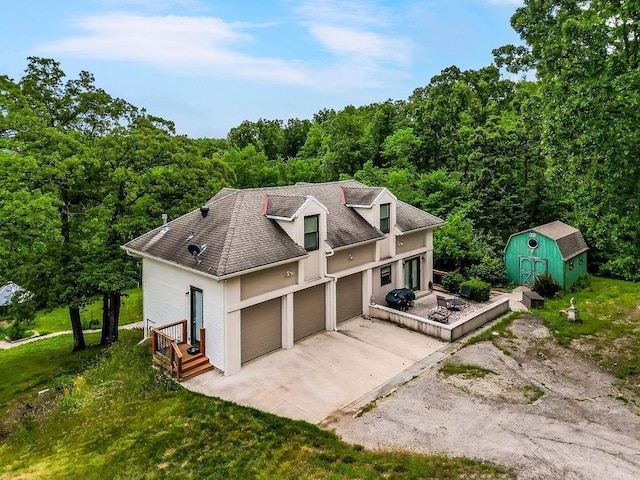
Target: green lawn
x,y
120,418
57,320
610,331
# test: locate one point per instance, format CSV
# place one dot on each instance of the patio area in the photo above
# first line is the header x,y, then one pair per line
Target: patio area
x,y
427,304
459,322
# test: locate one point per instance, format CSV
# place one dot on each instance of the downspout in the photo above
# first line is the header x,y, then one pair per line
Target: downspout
x,y
334,280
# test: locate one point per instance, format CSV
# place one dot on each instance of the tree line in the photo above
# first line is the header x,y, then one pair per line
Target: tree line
x,y
84,172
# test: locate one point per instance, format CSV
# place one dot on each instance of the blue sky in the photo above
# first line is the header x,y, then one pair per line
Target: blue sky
x,y
208,65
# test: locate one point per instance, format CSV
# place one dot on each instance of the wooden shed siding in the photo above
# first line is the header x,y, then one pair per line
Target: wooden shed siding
x,y
165,301
359,256
579,269
547,249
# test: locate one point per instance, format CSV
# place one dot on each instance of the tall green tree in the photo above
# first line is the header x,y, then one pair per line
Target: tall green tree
x,y
53,120
586,57
146,171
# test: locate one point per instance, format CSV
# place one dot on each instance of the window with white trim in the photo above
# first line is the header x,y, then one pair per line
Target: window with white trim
x,y
385,217
311,237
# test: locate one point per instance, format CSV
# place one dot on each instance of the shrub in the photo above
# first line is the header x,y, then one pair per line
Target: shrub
x,y
581,284
17,329
490,270
479,290
546,286
451,282
22,310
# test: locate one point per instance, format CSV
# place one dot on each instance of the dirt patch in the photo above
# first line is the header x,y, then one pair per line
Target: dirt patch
x,y
544,410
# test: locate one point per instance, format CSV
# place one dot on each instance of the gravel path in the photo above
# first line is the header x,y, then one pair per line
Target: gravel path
x,y
582,427
5,344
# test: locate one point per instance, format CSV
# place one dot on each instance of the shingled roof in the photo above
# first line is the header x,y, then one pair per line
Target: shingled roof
x,y
237,234
360,196
282,206
7,292
569,239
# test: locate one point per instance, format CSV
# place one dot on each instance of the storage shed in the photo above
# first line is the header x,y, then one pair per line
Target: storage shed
x,y
555,247
6,294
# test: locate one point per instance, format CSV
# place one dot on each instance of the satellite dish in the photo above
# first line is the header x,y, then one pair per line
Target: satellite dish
x,y
193,249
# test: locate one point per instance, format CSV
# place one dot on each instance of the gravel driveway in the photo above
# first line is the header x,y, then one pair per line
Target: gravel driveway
x,y
544,411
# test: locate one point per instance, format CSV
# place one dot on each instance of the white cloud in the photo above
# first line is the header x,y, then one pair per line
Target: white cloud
x,y
359,30
203,45
362,45
342,12
197,44
154,4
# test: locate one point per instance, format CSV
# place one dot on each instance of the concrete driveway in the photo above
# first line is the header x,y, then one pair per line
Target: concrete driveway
x,y
322,373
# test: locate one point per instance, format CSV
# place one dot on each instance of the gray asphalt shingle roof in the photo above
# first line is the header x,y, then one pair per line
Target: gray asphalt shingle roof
x,y
236,235
569,239
284,206
360,196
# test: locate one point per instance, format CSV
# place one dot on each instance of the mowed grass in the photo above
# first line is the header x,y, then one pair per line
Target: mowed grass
x,y
610,328
122,419
57,320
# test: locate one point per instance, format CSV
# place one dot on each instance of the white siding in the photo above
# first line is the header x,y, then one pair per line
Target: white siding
x,y
166,300
368,215
289,227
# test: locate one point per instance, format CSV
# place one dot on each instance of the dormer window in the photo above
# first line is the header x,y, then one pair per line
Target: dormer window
x,y
385,215
311,237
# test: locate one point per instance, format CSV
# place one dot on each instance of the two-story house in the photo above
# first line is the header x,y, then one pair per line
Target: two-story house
x,y
260,269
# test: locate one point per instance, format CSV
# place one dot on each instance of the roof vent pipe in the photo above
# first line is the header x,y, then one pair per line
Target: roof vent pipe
x,y
204,211
165,227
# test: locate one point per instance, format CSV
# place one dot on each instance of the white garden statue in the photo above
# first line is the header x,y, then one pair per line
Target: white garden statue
x,y
573,314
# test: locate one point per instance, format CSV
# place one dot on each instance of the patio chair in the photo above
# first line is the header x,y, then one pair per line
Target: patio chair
x,y
447,304
465,292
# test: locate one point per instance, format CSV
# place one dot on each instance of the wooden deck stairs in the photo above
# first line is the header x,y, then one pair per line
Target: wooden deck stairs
x,y
170,351
193,365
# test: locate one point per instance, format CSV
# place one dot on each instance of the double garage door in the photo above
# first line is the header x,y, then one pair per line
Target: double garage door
x,y
262,323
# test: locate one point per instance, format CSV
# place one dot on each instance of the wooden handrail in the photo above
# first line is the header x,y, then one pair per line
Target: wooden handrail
x,y
176,360
165,345
169,325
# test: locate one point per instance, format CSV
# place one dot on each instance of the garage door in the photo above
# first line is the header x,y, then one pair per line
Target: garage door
x,y
261,329
348,297
308,312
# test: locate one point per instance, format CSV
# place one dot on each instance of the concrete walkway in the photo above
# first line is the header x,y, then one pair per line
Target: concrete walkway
x,y
5,345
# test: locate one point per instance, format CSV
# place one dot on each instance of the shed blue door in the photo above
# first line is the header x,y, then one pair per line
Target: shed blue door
x,y
530,268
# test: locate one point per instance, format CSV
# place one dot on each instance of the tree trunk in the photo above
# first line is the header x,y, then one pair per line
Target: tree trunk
x,y
76,326
110,317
